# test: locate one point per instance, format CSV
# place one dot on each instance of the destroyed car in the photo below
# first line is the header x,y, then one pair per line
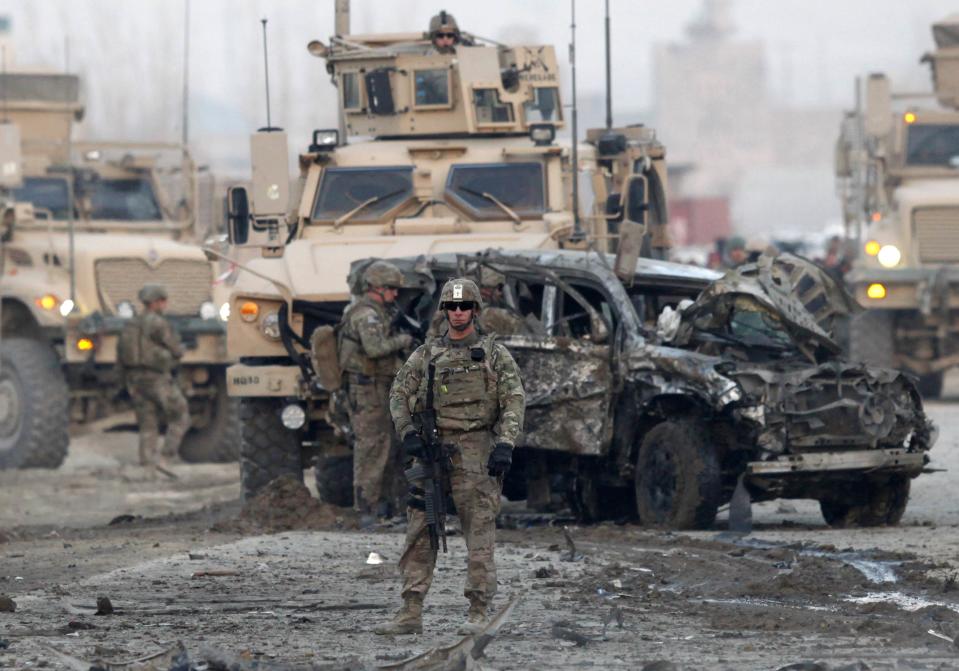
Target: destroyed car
x,y
655,399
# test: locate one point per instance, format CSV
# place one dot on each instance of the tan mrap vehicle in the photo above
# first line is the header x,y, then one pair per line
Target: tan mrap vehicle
x,y
898,172
458,154
89,231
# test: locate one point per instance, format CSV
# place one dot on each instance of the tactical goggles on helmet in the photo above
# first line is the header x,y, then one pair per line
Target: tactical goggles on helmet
x,y
462,306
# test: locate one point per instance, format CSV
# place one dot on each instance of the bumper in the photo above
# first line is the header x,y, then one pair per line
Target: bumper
x,y
257,381
906,288
887,461
204,340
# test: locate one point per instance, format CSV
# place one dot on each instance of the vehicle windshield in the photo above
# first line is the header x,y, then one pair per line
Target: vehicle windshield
x,y
343,190
518,186
47,195
753,326
933,145
128,199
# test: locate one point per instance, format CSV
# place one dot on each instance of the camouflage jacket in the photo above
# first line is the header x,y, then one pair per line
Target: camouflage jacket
x,y
502,322
156,345
366,342
471,392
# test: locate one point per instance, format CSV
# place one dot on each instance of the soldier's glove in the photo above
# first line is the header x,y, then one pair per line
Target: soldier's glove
x,y
404,340
500,459
413,446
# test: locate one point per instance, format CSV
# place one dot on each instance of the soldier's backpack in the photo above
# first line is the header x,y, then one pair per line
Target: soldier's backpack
x,y
129,352
325,357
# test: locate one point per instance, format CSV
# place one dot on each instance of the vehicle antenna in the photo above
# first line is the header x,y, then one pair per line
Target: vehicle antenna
x,y
266,72
71,196
577,224
6,117
609,75
186,74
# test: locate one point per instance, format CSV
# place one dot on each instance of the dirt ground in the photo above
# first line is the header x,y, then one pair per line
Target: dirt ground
x,y
180,563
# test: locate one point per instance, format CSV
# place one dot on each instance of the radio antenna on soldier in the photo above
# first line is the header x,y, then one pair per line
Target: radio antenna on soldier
x,y
577,224
266,72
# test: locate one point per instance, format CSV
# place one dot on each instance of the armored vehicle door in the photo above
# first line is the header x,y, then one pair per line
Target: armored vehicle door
x,y
566,367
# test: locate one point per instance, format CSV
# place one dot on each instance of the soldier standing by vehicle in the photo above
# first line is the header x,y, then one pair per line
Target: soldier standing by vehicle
x,y
479,403
497,317
148,350
369,356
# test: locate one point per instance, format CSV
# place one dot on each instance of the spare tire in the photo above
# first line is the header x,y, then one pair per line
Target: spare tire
x,y
34,405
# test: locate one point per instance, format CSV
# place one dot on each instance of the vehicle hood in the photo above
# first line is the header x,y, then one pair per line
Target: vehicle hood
x,y
801,295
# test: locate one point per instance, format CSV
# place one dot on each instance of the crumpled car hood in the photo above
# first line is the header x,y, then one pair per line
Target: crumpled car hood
x,y
804,298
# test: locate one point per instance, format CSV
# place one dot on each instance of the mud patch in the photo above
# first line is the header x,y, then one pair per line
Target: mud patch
x,y
287,505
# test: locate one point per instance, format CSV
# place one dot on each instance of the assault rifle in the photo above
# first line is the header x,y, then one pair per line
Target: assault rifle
x,y
403,323
436,469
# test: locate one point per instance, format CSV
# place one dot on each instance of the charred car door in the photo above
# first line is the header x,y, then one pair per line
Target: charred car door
x,y
567,372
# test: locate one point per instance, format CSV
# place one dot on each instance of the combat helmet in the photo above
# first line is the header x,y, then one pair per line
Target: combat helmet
x,y
151,292
490,278
444,23
382,274
461,289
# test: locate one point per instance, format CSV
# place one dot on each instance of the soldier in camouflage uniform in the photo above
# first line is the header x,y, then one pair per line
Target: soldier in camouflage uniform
x,y
370,353
497,317
480,404
148,351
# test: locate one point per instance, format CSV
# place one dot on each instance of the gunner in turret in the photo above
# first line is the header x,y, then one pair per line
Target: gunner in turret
x,y
445,33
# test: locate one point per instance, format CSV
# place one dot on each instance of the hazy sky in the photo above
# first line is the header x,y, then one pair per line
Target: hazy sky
x,y
130,52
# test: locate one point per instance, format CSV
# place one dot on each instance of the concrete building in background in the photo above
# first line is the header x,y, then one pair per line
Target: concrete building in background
x,y
714,111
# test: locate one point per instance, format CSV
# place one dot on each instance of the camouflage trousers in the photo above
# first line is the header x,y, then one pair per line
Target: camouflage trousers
x,y
157,395
477,499
374,455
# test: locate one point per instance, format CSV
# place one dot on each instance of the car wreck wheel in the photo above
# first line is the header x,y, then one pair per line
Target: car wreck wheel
x,y
678,482
883,505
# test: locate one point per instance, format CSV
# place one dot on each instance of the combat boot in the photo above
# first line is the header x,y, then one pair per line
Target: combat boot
x,y
409,619
476,619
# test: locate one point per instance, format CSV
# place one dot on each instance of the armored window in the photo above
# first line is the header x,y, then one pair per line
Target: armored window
x,y
351,91
122,200
493,190
933,145
48,195
490,109
431,88
544,106
370,192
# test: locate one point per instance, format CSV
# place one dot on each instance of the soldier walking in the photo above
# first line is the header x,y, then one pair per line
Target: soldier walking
x,y
148,351
479,403
370,354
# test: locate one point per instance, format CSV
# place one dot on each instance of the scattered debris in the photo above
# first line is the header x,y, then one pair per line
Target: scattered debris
x,y
174,658
4,645
545,572
195,556
7,605
374,558
568,631
215,573
740,509
123,519
949,584
462,655
660,665
165,471
571,545
615,614
75,625
104,606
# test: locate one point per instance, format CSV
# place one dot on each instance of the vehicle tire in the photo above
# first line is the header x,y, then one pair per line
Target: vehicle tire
x,y
34,405
267,448
678,479
218,441
884,506
871,338
930,386
334,479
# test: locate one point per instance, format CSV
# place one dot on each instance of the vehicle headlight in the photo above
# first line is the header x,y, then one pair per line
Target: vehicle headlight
x,y
225,312
872,248
66,307
47,301
208,310
125,309
249,311
876,291
270,326
889,256
293,416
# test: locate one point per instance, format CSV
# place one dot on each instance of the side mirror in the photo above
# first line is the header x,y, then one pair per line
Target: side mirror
x,y
632,230
237,215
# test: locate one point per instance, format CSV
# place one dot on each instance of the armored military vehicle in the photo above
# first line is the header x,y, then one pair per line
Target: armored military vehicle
x,y
447,152
92,224
897,163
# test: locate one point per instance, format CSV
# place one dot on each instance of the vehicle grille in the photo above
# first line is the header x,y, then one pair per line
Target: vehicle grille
x,y
187,282
937,234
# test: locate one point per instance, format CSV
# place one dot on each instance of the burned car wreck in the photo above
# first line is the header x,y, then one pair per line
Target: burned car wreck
x,y
655,399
